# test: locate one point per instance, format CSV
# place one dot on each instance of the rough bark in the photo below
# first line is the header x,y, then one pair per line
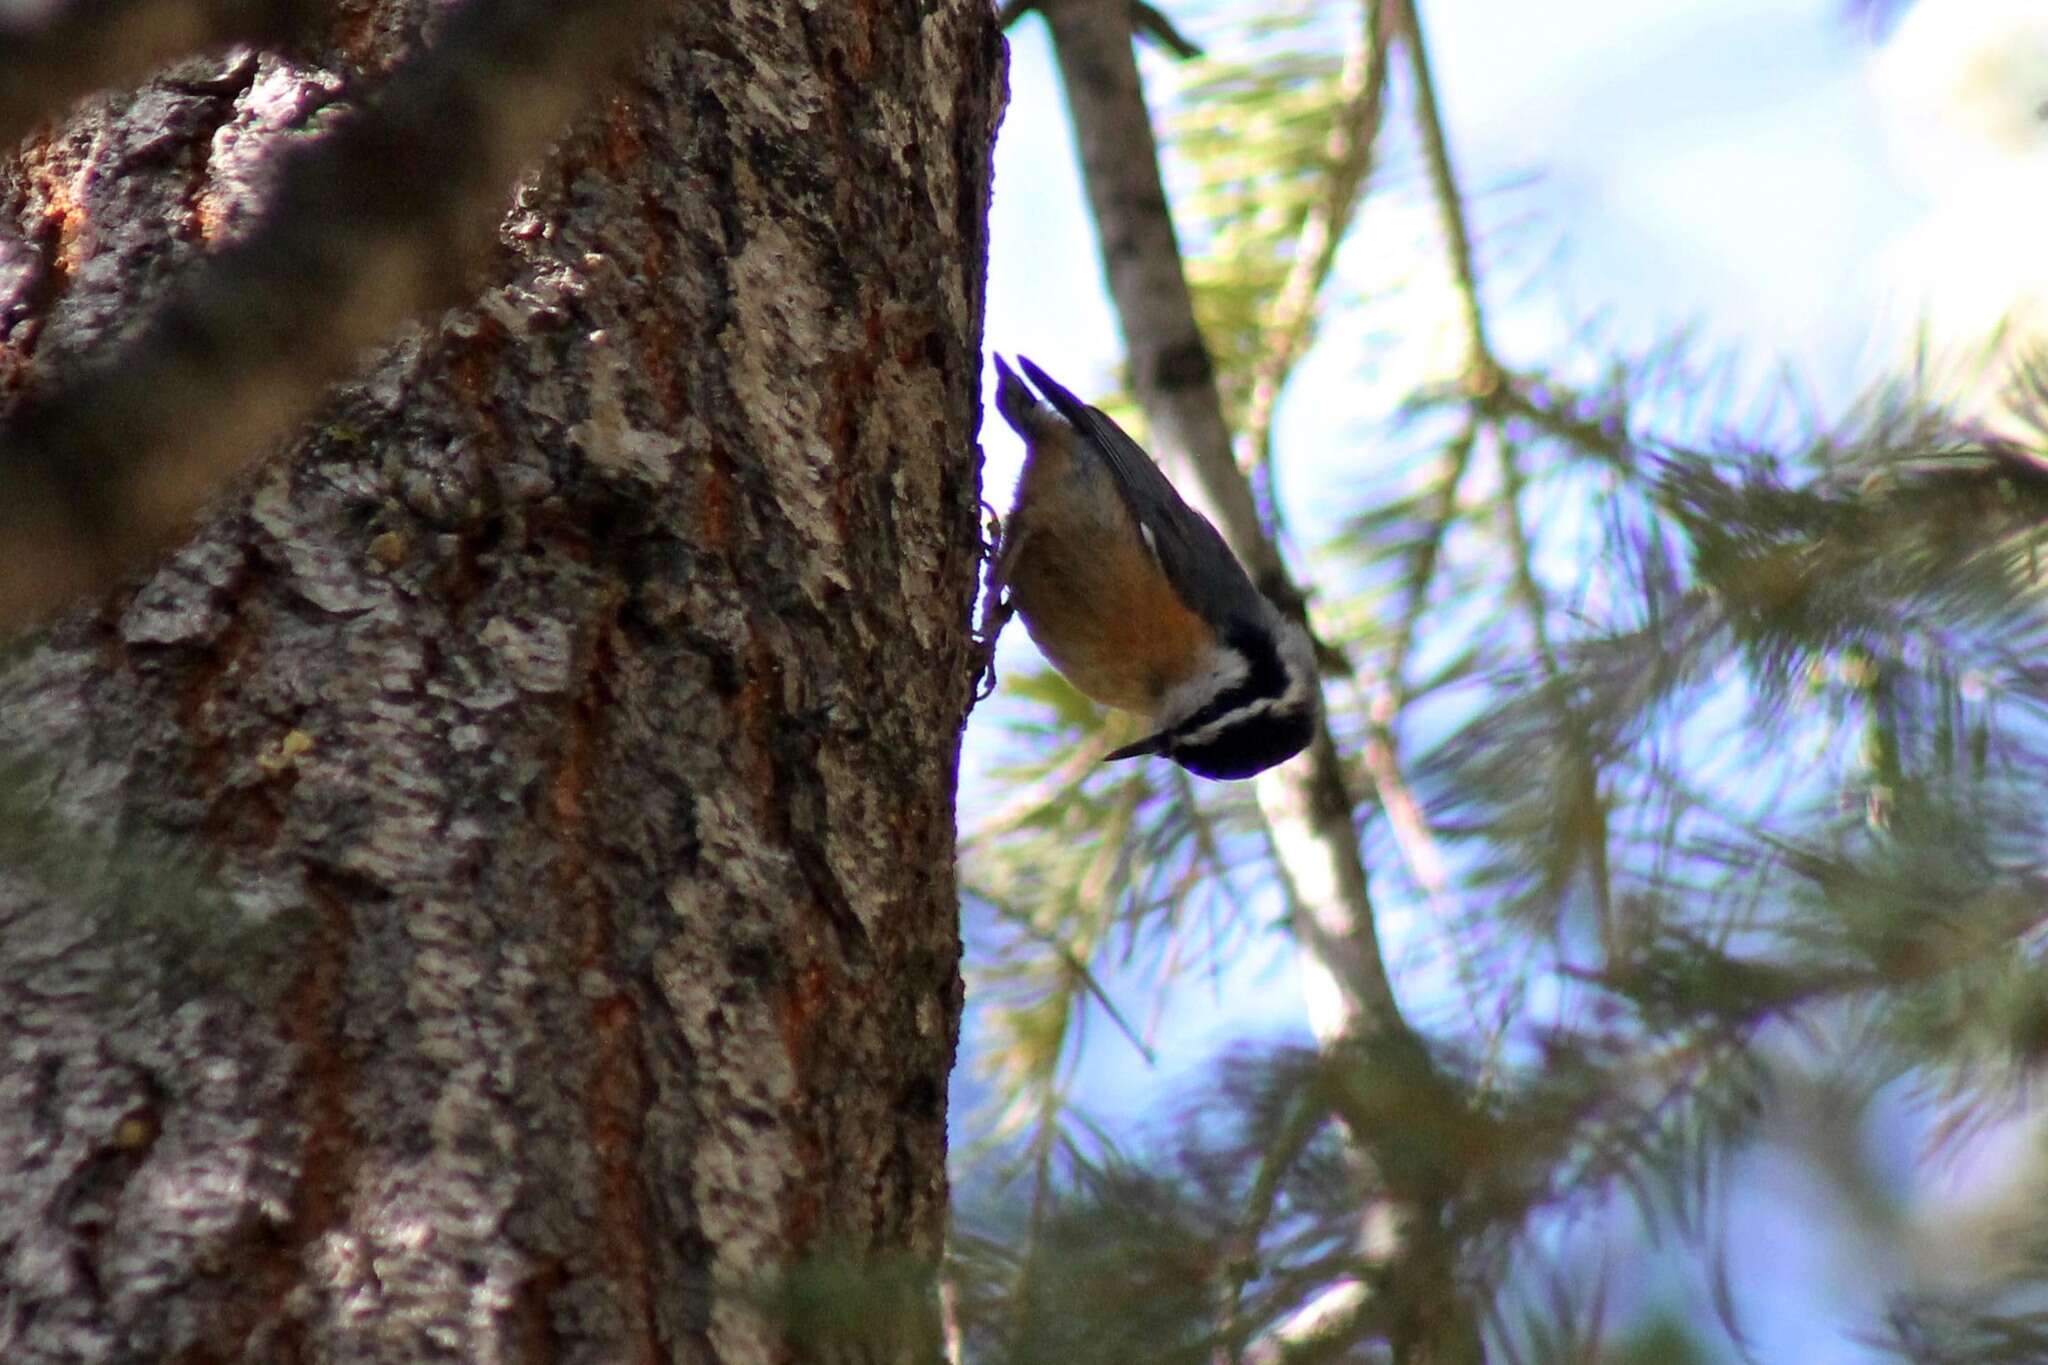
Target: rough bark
x,y
382,217
488,895
49,58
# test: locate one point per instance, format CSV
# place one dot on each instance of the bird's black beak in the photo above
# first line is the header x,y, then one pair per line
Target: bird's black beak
x,y
1151,744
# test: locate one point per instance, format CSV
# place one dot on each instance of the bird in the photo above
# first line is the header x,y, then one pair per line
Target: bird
x,y
1137,600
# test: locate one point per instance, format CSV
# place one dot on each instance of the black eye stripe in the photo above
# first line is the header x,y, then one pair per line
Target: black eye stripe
x,y
1248,748
1265,678
1268,675
1235,699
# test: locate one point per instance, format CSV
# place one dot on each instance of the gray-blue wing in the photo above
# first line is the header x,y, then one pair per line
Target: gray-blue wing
x,y
1197,562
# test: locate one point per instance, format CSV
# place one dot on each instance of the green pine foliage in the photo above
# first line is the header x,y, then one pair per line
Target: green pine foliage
x,y
1713,750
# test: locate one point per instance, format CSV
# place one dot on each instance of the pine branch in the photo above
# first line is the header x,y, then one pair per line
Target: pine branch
x,y
1148,23
1311,816
1353,136
1483,371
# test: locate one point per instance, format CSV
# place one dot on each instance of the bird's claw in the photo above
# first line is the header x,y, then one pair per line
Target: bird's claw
x,y
995,615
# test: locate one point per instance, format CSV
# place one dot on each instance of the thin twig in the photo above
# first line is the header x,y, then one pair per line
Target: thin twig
x,y
1148,23
1483,370
1304,1117
1422,567
1578,735
1354,135
1489,384
949,1318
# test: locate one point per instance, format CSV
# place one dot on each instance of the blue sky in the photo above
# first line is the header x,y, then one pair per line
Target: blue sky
x,y
1757,170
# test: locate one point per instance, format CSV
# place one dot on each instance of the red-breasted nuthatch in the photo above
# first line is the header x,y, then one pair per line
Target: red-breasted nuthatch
x,y
1134,596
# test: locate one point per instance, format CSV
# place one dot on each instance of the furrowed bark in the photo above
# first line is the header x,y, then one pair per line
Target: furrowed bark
x,y
49,59
380,219
488,894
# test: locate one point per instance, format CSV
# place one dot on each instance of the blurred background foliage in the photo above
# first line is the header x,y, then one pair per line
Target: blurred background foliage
x,y
1697,743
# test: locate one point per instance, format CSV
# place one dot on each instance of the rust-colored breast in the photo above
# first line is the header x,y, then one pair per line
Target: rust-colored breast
x,y
1090,593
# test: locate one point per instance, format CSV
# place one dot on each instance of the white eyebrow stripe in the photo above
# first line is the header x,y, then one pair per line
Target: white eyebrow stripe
x,y
1258,706
1298,690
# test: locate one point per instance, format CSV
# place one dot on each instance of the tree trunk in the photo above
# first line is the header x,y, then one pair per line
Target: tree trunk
x,y
488,895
